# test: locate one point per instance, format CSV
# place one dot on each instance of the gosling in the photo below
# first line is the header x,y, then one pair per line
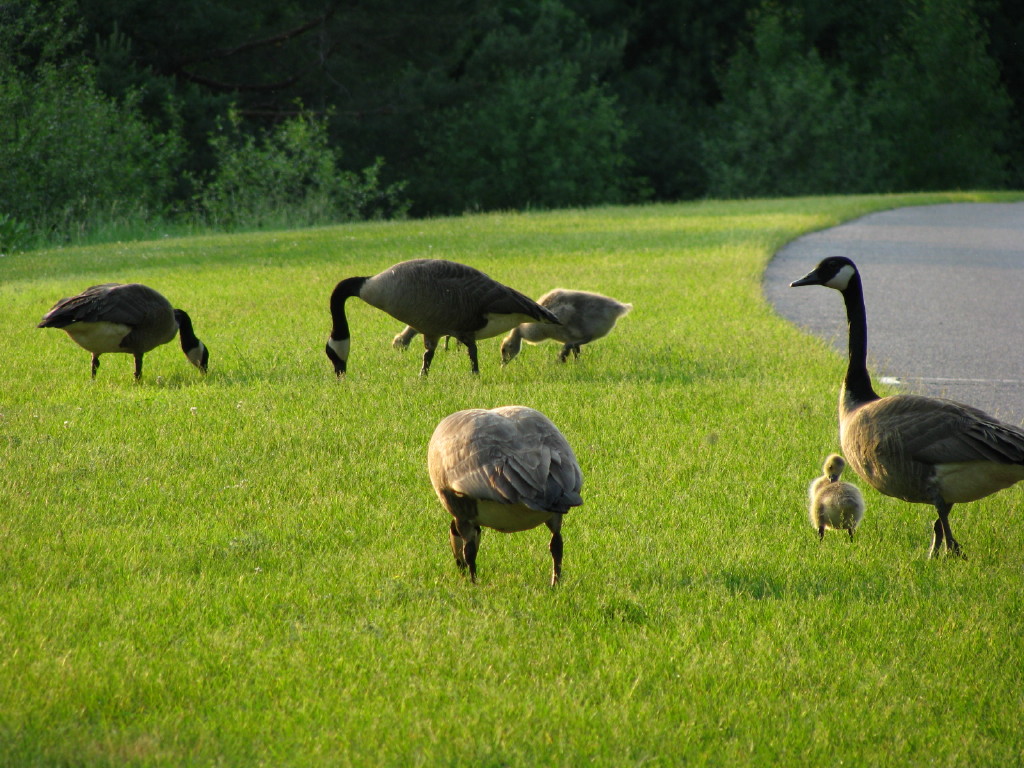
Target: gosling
x,y
584,317
835,504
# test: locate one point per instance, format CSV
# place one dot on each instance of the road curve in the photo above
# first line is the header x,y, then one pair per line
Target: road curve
x,y
944,288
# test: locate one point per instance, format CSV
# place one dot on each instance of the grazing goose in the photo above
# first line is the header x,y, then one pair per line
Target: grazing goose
x,y
924,450
130,318
585,316
437,298
509,469
835,504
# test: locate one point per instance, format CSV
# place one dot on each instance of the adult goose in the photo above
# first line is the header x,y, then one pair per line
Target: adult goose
x,y
585,316
437,298
924,450
130,318
509,469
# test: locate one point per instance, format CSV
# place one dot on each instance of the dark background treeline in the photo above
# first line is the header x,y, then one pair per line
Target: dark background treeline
x,y
290,112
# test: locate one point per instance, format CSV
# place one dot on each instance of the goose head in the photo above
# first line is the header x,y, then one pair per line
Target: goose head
x,y
196,352
832,272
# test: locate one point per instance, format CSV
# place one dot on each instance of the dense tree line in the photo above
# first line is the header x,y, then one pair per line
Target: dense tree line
x,y
300,111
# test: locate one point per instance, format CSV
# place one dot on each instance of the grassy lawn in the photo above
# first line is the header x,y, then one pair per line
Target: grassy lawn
x,y
251,568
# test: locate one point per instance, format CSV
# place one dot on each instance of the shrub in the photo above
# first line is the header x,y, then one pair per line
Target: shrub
x,y
14,234
289,176
68,152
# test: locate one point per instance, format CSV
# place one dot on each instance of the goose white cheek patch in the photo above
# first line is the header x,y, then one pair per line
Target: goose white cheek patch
x,y
339,347
842,278
195,356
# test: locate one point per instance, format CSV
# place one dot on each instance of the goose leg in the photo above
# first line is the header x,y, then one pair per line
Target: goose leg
x,y
952,546
564,354
555,526
95,364
821,533
936,538
850,531
471,348
429,347
458,543
470,534
138,367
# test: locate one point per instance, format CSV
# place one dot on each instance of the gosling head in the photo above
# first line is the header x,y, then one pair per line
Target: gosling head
x,y
833,467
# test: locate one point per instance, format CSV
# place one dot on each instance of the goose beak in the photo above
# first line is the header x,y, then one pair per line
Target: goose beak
x,y
811,278
833,478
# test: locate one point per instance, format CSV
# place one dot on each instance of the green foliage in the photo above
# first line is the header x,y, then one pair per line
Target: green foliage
x,y
531,127
289,176
34,33
539,140
70,153
14,234
941,105
545,103
251,568
788,124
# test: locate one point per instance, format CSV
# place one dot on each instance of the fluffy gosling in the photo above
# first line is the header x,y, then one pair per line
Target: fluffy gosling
x,y
835,504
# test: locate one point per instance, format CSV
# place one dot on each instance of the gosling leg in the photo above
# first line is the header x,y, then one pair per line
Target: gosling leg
x,y
429,347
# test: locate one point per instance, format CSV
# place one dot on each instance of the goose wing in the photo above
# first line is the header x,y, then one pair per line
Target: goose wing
x,y
937,431
130,305
495,298
507,456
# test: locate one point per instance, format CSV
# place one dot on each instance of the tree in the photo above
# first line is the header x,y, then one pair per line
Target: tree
x,y
940,103
787,124
528,125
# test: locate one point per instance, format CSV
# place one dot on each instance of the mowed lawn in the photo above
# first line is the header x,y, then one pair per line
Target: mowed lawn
x,y
251,568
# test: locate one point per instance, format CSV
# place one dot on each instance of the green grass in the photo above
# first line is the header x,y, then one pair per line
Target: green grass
x,y
251,568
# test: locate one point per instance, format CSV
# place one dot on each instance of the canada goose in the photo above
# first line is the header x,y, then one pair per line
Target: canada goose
x,y
509,469
437,298
835,504
130,318
585,316
923,450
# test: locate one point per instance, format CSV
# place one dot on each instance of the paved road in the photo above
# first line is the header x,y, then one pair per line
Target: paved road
x,y
944,288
